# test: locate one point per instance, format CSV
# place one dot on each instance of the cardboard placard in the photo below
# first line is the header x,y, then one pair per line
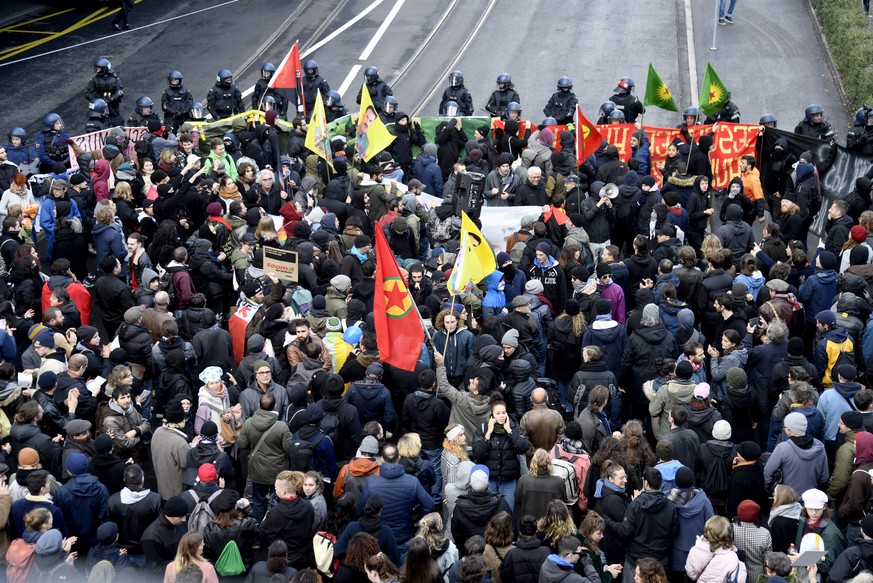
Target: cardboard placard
x,y
281,262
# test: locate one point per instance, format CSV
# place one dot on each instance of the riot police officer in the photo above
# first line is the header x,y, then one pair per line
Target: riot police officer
x,y
562,103
144,113
97,116
768,120
616,116
333,106
312,84
51,143
262,89
860,138
224,99
729,112
20,152
457,93
502,96
690,117
176,101
513,111
377,88
625,101
389,110
105,85
813,124
197,112
606,108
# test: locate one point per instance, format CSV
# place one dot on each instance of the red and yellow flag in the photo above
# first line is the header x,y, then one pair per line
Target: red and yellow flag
x,y
399,334
288,80
588,139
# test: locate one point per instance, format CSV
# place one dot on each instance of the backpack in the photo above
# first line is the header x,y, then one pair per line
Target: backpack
x,y
517,252
19,560
331,425
301,453
581,463
323,548
715,478
624,209
565,470
167,284
202,515
845,356
143,148
229,562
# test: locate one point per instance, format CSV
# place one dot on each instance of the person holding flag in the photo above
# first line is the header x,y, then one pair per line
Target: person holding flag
x,y
371,136
475,259
317,137
286,84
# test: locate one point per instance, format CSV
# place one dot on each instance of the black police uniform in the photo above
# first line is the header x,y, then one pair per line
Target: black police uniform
x,y
561,106
629,105
176,102
378,90
224,101
459,95
500,99
311,87
107,87
821,130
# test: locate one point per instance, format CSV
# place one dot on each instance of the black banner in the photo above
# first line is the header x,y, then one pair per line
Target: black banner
x,y
838,167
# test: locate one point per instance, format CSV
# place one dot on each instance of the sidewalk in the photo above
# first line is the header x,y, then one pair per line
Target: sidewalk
x,y
772,60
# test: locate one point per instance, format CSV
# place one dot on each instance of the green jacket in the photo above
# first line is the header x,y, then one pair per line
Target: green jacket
x,y
833,539
270,459
843,466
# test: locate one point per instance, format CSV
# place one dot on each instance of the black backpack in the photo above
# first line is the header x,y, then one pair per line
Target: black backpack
x,y
624,209
330,425
715,477
166,284
143,147
301,453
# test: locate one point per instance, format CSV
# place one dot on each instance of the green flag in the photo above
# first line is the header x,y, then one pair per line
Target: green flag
x,y
713,93
657,93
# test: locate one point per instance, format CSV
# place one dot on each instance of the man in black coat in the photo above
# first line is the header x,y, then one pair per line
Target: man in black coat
x,y
428,416
292,521
475,509
112,295
134,509
160,541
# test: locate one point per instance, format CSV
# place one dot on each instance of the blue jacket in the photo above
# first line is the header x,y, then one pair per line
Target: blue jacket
x,y
23,154
83,501
495,298
373,401
668,472
47,220
428,171
402,494
834,402
21,507
384,536
818,291
642,154
109,241
692,516
46,138
325,457
461,346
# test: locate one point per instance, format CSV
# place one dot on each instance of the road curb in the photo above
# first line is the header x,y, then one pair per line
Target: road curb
x,y
832,65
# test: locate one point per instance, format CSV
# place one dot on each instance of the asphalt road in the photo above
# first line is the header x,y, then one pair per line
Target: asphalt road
x,y
770,59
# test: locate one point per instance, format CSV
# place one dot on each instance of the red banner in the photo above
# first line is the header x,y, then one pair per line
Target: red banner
x,y
731,142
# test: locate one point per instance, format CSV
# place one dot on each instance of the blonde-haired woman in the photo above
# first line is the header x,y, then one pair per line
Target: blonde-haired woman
x,y
538,487
454,451
713,558
556,524
124,207
190,552
266,233
442,550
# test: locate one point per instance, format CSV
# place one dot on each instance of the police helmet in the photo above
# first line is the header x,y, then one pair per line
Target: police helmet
x,y
768,118
310,67
97,108
17,133
144,101
450,109
456,78
333,98
50,119
565,84
371,74
269,103
102,66
175,78
625,85
606,108
513,106
224,77
503,80
812,110
616,114
267,70
390,104
549,121
197,110
691,111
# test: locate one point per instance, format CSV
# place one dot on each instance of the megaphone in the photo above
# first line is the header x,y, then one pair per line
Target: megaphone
x,y
610,190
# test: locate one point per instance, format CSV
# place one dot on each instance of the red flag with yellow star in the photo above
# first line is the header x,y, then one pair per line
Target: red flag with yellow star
x,y
399,334
588,139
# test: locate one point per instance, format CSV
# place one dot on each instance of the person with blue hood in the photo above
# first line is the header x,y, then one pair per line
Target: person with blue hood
x,y
832,404
667,465
428,171
107,549
48,217
546,270
494,302
818,291
693,509
52,561
640,151
83,501
565,565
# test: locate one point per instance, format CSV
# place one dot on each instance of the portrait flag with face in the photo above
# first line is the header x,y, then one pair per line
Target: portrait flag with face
x,y
371,136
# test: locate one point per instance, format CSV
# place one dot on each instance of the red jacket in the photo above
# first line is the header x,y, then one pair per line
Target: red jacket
x,y
79,295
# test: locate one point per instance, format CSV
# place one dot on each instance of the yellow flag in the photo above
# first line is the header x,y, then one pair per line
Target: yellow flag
x,y
317,138
475,258
372,136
